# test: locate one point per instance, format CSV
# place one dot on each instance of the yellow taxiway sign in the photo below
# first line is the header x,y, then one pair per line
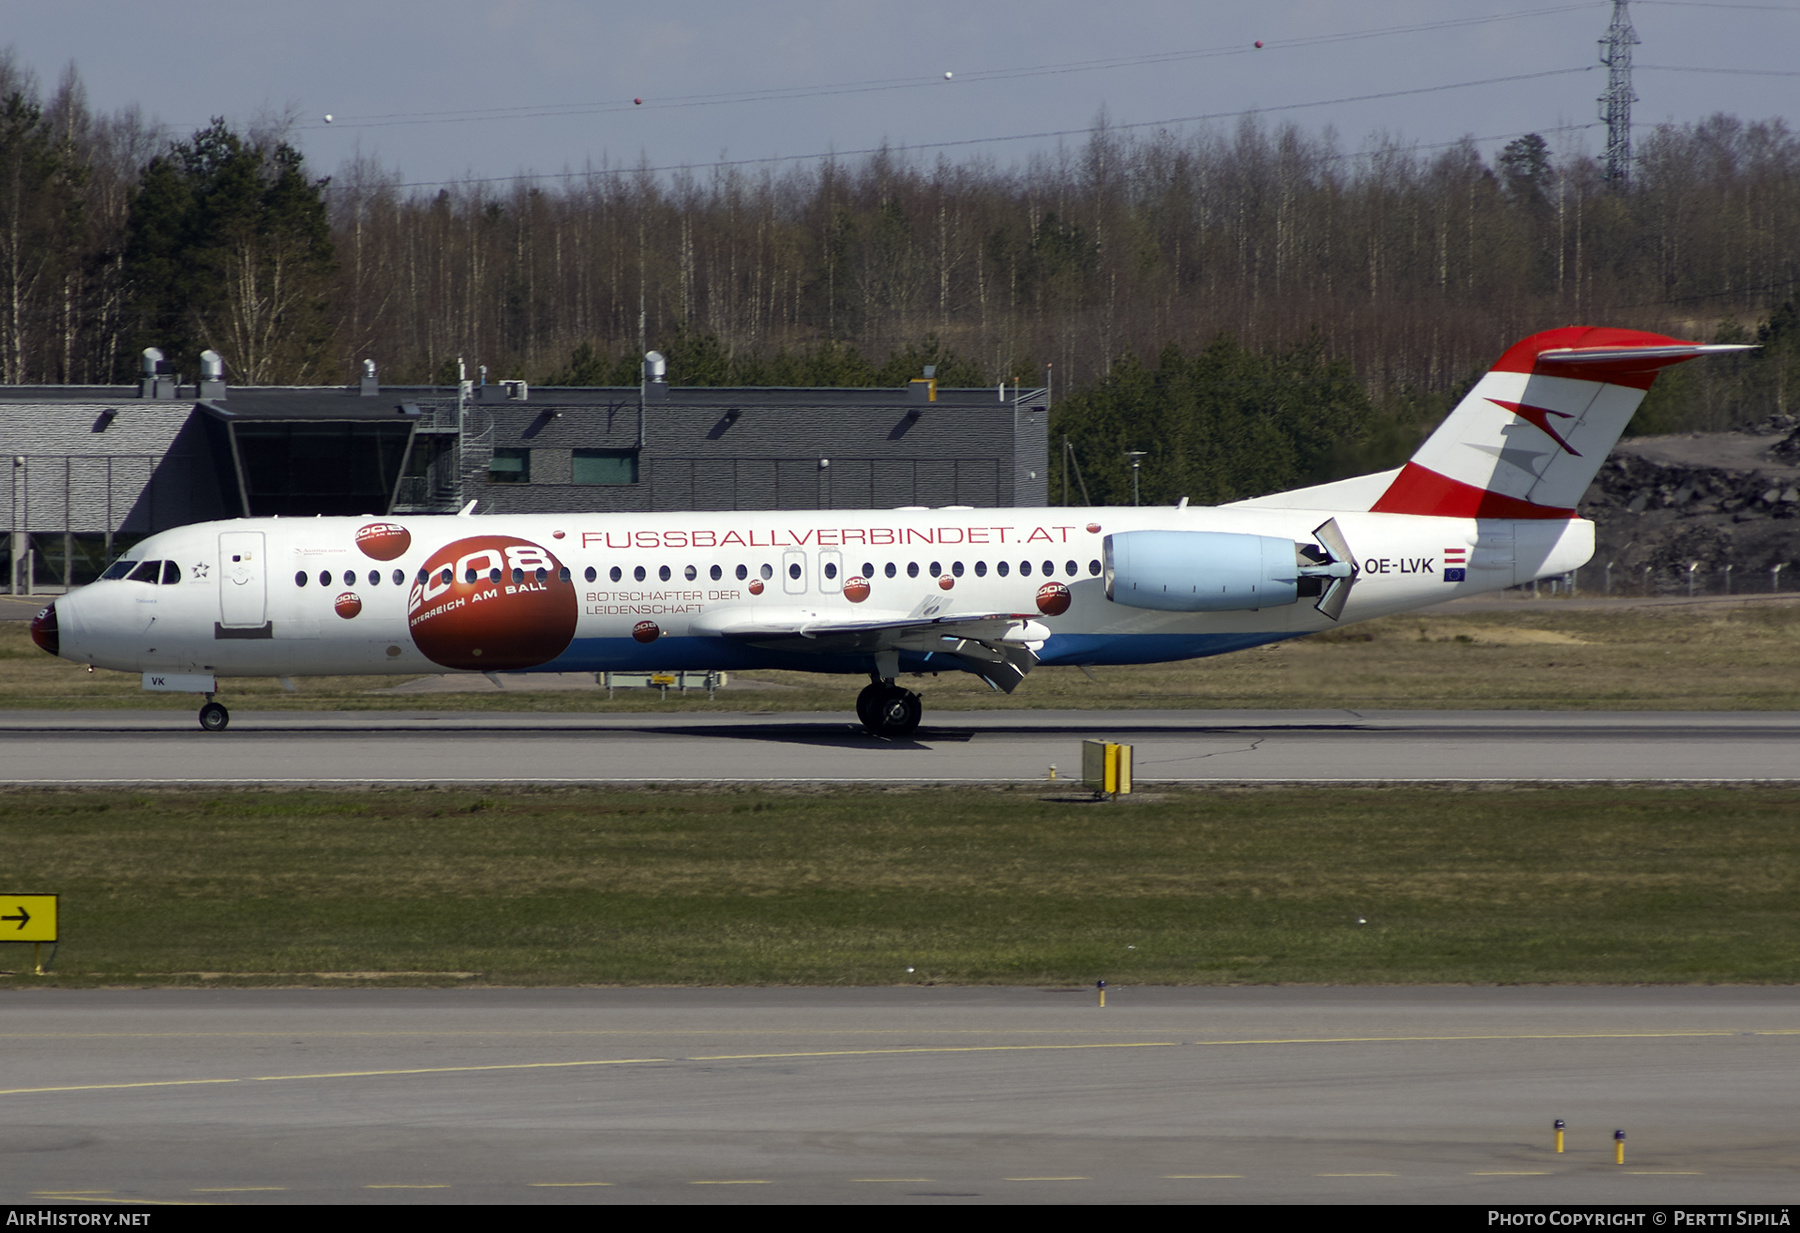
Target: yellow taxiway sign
x,y
27,918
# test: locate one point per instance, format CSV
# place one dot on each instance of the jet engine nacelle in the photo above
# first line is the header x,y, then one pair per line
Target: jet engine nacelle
x,y
1210,571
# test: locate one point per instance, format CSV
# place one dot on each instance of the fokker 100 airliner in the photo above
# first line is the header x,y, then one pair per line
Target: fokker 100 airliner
x,y
1487,502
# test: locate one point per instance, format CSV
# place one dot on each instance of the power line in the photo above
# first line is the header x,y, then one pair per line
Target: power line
x,y
1741,72
788,93
976,141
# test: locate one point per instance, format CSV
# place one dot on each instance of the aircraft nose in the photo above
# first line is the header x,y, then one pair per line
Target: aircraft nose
x,y
44,632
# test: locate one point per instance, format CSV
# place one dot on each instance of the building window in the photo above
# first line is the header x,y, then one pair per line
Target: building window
x,y
605,467
510,467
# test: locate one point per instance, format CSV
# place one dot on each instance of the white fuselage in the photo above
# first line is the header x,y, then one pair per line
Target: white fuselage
x,y
624,592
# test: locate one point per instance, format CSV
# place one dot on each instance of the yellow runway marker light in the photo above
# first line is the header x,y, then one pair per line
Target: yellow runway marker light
x,y
1558,1127
1618,1147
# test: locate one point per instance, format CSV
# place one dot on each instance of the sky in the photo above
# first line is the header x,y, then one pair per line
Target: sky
x,y
460,89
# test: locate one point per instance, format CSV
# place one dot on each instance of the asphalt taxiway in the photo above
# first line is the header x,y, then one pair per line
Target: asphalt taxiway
x,y
899,1095
1171,747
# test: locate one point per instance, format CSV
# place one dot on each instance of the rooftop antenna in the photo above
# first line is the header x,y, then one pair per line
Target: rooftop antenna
x,y
1615,104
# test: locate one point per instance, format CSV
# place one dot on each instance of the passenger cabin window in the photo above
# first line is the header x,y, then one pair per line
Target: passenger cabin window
x,y
591,575
300,579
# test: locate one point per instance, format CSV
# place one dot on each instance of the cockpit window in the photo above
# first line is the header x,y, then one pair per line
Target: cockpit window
x,y
149,571
171,573
118,569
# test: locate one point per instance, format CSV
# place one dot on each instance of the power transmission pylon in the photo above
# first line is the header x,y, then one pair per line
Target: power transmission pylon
x,y
1615,104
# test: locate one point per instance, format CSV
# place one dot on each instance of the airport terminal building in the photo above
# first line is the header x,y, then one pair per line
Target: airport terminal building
x,y
92,469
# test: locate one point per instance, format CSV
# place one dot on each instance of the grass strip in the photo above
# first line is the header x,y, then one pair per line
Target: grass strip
x,y
1544,656
560,887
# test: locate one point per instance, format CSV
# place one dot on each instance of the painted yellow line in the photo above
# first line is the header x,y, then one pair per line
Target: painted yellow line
x,y
449,1070
752,1057
623,1061
897,1051
88,1196
111,1087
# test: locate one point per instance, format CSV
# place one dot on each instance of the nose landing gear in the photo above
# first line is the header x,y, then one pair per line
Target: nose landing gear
x,y
888,710
214,717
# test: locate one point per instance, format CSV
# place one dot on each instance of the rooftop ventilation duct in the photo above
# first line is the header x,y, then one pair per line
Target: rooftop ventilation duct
x,y
159,380
212,375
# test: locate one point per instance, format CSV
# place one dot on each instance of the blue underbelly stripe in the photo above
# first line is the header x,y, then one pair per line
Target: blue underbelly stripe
x,y
701,654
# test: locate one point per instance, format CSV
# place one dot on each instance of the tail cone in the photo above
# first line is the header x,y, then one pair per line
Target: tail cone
x,y
43,630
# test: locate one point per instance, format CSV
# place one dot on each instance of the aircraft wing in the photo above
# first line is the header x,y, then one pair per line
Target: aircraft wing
x,y
999,647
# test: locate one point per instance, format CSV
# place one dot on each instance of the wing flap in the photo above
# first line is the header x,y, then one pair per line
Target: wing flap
x,y
999,647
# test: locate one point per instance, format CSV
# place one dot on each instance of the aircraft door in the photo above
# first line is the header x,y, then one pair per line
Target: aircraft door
x,y
243,597
793,571
831,571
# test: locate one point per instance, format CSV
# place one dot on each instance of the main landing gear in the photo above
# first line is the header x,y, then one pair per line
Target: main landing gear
x,y
214,717
887,710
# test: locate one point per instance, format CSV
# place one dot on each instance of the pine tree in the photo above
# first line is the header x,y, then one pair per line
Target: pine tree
x,y
230,248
